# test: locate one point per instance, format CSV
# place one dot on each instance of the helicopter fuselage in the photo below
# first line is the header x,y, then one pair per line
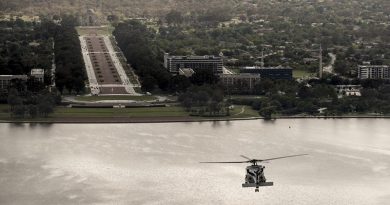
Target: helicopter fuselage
x,y
255,177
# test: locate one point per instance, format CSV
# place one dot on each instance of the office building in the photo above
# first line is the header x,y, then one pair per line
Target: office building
x,y
270,72
239,83
38,74
373,72
6,80
175,63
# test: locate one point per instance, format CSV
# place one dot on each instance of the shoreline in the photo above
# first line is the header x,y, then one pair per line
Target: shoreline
x,y
134,120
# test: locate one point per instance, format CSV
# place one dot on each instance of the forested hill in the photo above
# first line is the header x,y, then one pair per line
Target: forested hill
x,y
126,7
158,8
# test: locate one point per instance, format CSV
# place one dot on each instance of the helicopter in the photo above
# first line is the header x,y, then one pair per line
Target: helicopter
x,y
255,173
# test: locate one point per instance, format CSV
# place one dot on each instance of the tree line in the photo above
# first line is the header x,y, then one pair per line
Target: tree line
x,y
24,46
27,45
136,43
205,100
293,98
25,104
70,69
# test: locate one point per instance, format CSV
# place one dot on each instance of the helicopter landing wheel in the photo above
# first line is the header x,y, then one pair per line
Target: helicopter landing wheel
x,y
257,190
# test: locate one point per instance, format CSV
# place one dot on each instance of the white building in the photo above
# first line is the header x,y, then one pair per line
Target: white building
x,y
349,90
38,74
373,72
175,63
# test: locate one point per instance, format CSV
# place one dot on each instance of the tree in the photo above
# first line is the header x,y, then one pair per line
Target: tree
x,y
304,92
267,112
174,17
33,111
114,19
204,76
19,111
45,108
149,83
70,70
264,86
135,40
203,98
179,83
14,99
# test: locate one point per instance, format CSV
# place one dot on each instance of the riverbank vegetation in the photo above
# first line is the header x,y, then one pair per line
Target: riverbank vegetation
x,y
123,114
318,98
278,97
32,105
205,101
287,33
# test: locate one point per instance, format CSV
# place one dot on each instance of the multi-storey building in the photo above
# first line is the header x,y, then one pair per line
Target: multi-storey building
x,y
348,90
270,72
38,74
175,63
239,83
5,81
373,72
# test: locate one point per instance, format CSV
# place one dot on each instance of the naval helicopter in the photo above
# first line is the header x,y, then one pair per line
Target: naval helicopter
x,y
255,173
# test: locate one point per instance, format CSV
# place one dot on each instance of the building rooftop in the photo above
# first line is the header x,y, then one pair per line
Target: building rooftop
x,y
10,77
241,75
37,71
188,72
370,66
259,67
194,57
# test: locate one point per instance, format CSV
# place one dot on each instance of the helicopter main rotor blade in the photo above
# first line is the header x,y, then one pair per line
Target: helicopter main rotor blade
x,y
243,156
262,160
225,162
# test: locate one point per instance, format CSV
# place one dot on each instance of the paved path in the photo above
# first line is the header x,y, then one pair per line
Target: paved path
x,y
122,74
226,71
93,83
106,74
242,111
329,68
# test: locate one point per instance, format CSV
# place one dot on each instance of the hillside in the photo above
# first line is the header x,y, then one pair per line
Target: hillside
x,y
126,7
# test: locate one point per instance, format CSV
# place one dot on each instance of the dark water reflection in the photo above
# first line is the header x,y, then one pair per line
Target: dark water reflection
x,y
158,163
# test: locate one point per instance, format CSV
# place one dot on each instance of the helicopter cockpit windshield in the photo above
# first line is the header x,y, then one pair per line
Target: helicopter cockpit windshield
x,y
255,174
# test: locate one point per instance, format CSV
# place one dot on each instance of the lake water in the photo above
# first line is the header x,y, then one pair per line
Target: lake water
x,y
348,162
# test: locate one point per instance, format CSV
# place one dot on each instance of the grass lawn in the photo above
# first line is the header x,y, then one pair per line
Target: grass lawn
x,y
106,30
115,97
174,111
4,109
121,112
302,73
240,111
235,70
246,97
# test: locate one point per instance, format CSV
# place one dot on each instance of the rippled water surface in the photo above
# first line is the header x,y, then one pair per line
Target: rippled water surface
x,y
158,163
